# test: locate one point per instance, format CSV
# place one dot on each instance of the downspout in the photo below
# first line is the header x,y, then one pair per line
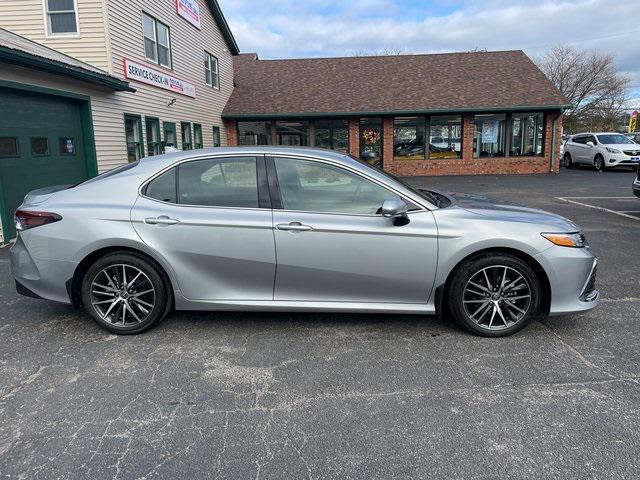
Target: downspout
x,y
554,150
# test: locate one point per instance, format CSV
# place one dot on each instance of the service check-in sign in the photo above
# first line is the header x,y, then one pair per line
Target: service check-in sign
x,y
190,11
150,76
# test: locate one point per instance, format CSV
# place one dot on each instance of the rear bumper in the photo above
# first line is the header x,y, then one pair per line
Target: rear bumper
x,y
636,188
40,278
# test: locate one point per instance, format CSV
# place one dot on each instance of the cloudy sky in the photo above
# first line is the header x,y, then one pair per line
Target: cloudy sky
x,y
302,28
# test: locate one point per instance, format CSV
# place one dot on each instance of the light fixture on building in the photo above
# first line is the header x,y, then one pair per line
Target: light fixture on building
x,y
173,100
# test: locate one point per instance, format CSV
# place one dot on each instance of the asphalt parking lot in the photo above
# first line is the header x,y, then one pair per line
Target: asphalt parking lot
x,y
250,395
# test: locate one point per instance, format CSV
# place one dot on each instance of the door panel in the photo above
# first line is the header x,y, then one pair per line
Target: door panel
x,y
50,148
353,258
216,253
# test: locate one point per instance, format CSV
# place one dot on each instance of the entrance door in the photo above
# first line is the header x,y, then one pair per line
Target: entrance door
x,y
333,246
371,141
40,145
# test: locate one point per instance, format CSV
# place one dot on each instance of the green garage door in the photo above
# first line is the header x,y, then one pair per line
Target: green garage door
x,y
41,144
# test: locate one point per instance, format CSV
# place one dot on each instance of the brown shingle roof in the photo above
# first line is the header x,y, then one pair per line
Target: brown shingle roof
x,y
402,83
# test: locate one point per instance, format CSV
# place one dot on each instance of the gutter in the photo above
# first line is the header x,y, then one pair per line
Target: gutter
x,y
24,59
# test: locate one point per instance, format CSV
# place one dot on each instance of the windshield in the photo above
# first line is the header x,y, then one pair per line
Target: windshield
x,y
613,138
420,193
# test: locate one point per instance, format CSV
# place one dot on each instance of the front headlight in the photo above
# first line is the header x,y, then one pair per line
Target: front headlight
x,y
576,240
613,150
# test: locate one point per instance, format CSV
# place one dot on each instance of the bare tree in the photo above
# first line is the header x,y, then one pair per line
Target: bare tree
x,y
590,82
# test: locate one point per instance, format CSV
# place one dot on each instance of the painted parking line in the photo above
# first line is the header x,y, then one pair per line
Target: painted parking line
x,y
626,213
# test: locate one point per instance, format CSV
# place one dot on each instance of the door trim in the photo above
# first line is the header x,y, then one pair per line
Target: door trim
x,y
86,126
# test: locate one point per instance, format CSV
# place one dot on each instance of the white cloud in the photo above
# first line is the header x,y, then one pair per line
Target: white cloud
x,y
287,28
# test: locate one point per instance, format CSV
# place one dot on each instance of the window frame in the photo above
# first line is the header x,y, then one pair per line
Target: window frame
x,y
209,68
276,196
160,147
47,20
133,116
182,124
217,139
155,21
17,143
173,128
264,197
46,154
197,127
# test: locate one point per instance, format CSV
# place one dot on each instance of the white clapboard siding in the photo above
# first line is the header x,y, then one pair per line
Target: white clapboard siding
x,y
187,48
26,18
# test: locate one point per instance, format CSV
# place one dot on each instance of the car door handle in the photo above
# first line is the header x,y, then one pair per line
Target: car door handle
x,y
294,227
161,220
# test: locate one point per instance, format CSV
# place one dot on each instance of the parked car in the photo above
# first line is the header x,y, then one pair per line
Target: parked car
x,y
409,149
296,229
635,136
636,184
601,151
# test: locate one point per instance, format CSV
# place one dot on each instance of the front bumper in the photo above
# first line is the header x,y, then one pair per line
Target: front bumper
x,y
572,275
621,160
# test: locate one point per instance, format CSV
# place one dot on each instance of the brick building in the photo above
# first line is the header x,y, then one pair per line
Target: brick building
x,y
437,114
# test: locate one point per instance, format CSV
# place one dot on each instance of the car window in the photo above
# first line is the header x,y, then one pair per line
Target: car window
x,y
220,182
163,187
613,138
311,186
577,139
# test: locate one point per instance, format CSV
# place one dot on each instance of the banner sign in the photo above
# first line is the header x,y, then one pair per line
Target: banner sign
x,y
144,74
490,131
633,122
190,11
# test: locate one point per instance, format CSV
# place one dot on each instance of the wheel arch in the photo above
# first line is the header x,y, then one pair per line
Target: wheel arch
x,y
74,284
541,275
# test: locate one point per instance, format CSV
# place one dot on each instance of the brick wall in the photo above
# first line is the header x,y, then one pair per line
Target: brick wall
x,y
232,132
467,165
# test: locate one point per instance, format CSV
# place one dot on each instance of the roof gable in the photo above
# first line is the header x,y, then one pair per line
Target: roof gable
x,y
218,16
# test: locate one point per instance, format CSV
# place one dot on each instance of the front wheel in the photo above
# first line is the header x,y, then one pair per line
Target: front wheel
x,y
494,295
598,163
125,293
568,163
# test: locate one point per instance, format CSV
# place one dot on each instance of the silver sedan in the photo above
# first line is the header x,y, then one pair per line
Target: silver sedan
x,y
295,229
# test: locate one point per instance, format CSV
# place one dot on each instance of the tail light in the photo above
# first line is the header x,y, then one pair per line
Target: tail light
x,y
29,219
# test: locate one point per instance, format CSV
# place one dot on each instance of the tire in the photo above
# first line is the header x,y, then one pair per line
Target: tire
x,y
494,316
598,163
145,300
568,163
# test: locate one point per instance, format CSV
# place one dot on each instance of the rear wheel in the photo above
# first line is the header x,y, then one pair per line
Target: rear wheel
x,y
568,163
125,293
494,295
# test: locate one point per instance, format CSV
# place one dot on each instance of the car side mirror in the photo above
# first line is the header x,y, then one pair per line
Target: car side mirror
x,y
396,209
590,144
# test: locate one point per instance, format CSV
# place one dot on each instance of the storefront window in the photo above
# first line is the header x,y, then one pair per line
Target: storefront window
x,y
153,136
254,133
408,138
332,134
197,135
489,136
133,134
526,134
371,141
186,135
445,136
292,133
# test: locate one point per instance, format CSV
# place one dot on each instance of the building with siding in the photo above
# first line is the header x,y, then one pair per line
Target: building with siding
x,y
168,69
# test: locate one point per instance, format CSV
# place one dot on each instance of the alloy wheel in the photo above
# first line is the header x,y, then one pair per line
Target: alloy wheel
x,y
122,295
496,297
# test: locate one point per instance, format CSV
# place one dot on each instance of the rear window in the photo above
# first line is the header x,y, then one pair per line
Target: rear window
x,y
112,172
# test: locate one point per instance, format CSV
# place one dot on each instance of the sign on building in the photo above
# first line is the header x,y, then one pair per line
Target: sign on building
x,y
190,11
150,76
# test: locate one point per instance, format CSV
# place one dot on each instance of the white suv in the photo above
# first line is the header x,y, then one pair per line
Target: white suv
x,y
601,151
